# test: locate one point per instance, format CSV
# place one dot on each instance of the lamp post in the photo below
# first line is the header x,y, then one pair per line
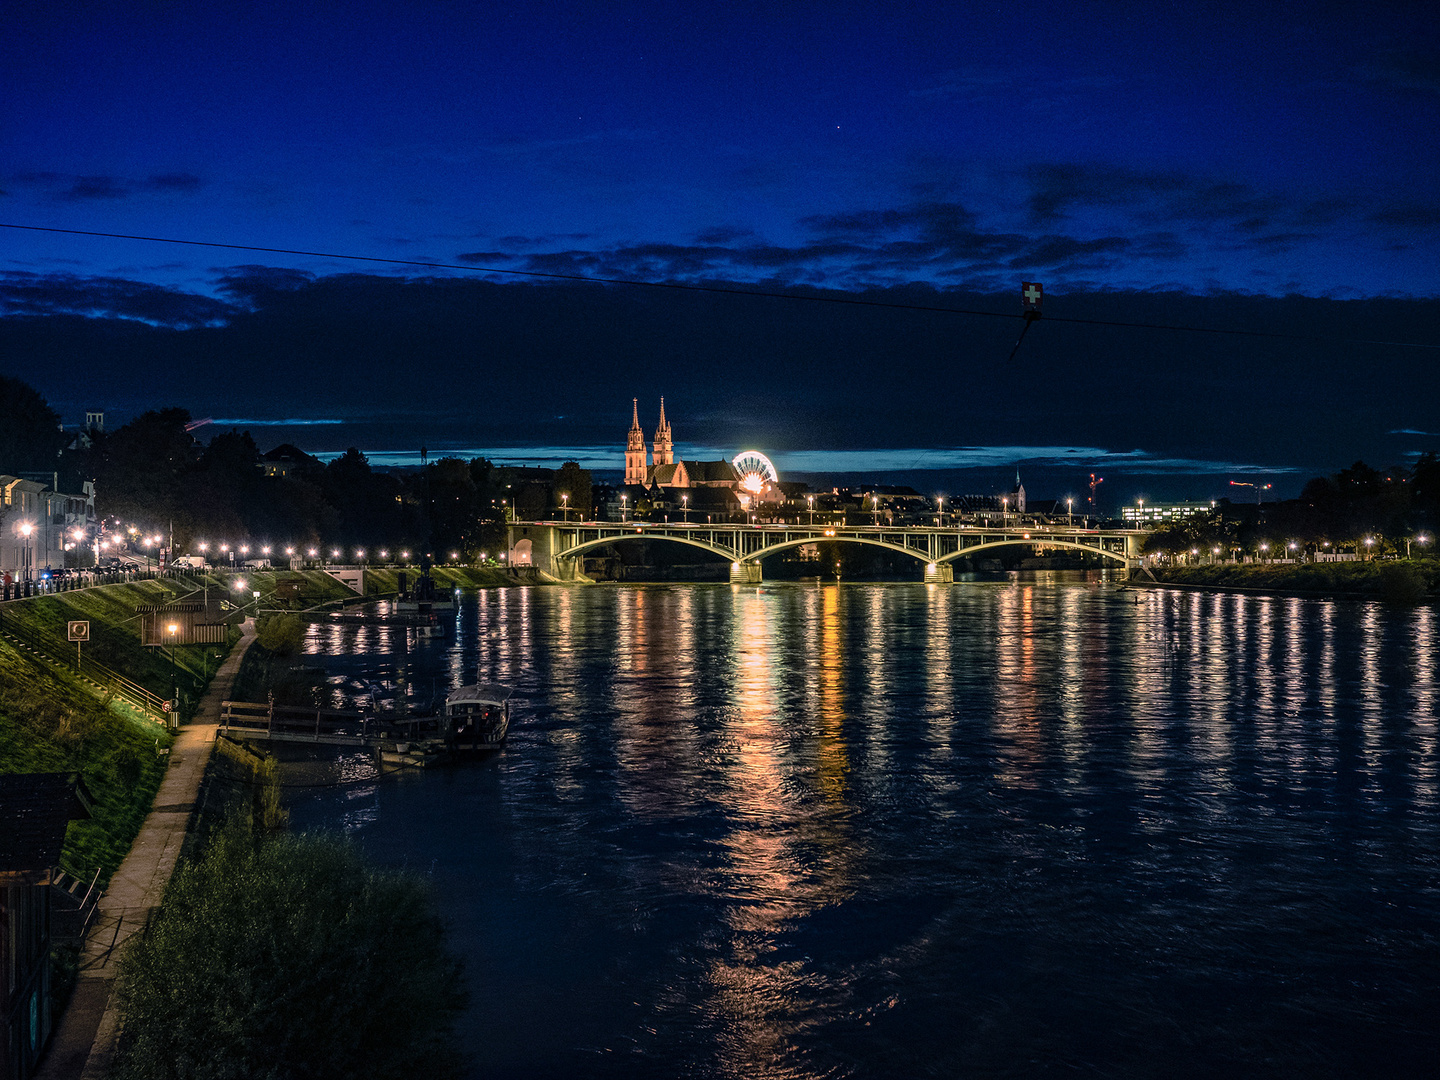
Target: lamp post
x,y
565,506
27,529
1369,547
940,510
624,499
173,629
1264,550
1070,511
1004,510
875,503
810,502
685,508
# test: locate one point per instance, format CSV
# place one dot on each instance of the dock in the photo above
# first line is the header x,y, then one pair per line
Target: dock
x,y
328,727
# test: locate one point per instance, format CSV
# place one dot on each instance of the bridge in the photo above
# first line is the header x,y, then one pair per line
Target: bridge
x,y
556,547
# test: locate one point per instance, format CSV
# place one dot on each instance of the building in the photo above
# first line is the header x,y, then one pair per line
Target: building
x,y
35,810
38,525
1163,513
655,476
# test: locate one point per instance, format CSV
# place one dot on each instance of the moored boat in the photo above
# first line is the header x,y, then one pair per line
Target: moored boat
x,y
477,717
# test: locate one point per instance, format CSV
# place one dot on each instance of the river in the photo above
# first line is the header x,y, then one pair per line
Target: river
x,y
1036,827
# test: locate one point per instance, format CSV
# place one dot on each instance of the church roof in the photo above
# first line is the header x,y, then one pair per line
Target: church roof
x,y
711,471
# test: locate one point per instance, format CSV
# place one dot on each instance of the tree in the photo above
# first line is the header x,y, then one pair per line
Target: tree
x,y
287,956
138,467
30,435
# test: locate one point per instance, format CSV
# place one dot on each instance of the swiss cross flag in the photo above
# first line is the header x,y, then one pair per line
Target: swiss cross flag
x,y
1031,294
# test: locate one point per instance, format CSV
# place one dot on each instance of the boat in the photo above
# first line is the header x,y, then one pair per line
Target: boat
x,y
477,717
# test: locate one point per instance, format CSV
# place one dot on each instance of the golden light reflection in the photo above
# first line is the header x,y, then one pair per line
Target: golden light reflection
x,y
654,727
1016,695
788,851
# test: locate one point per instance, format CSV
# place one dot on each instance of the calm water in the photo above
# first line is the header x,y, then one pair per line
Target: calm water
x,y
1020,829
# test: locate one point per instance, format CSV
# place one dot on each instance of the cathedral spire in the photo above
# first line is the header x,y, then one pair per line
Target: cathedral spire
x,y
636,471
664,444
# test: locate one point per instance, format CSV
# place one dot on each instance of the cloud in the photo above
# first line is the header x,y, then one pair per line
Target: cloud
x,y
229,422
23,293
1411,71
1407,215
93,187
254,286
69,188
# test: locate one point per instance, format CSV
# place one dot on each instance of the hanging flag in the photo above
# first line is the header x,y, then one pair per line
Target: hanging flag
x,y
1032,293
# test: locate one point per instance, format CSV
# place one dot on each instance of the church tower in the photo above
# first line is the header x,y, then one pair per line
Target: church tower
x,y
635,470
664,446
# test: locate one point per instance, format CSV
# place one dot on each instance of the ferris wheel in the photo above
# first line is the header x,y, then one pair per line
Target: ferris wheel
x,y
755,470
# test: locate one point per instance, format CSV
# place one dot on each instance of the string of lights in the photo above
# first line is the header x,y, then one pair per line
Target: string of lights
x,y
721,289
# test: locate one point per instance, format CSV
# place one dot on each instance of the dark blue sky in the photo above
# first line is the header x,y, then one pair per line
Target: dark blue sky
x,y
1177,149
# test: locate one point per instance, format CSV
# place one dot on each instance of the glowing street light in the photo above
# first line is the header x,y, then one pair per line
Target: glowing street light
x,y
624,499
565,506
811,500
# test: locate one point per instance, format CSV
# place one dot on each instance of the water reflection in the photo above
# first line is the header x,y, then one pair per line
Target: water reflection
x,y
1013,829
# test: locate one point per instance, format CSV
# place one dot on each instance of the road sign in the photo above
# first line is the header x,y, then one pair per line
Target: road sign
x,y
78,629
166,706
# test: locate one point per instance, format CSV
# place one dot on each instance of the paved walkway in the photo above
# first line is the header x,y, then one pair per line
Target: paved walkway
x,y
84,1041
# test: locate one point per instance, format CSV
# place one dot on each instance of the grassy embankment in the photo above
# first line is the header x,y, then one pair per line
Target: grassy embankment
x,y
51,721
1406,581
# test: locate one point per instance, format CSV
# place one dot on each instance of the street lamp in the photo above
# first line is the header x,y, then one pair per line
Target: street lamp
x,y
1264,549
623,500
1369,544
940,509
172,630
685,508
1004,510
810,499
875,501
27,528
565,506
1070,510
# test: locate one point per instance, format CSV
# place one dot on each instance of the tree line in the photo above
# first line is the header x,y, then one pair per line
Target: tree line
x,y
1360,509
155,473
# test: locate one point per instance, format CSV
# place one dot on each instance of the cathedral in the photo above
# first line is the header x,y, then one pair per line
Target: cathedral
x,y
658,469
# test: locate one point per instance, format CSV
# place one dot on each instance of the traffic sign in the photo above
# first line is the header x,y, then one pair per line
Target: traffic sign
x,y
78,629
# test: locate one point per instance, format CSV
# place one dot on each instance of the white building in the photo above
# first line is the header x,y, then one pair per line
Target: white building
x,y
37,525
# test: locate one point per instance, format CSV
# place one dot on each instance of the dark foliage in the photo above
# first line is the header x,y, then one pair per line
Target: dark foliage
x,y
30,436
278,956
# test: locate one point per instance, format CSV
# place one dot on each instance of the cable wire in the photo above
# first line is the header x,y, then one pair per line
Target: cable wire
x,y
720,289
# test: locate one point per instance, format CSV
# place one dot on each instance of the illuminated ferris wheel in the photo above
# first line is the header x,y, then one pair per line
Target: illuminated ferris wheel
x,y
755,470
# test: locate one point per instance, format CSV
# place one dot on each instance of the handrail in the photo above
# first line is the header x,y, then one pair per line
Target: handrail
x,y
132,691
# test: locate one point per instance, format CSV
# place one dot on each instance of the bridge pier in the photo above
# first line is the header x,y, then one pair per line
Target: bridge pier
x,y
745,573
939,573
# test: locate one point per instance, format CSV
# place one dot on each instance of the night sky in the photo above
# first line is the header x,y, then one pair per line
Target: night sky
x,y
1271,168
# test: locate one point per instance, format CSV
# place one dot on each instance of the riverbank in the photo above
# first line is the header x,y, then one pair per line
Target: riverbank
x,y
1400,581
85,1035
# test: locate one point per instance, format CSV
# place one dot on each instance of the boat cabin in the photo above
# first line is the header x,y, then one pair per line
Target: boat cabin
x,y
477,717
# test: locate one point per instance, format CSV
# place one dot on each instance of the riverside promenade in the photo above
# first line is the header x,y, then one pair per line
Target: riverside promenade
x,y
85,1039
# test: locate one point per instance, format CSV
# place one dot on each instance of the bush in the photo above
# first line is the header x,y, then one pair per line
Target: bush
x,y
1402,583
287,956
282,635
